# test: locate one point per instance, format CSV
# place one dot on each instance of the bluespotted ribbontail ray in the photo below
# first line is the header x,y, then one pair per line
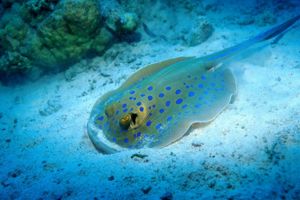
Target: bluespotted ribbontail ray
x,y
157,105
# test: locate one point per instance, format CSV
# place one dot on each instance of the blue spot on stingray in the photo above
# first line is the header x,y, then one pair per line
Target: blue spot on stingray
x,y
114,139
150,88
184,106
125,110
132,98
168,103
126,140
132,92
141,109
150,114
138,103
161,110
200,85
100,118
203,77
138,134
161,95
178,91
191,94
179,101
124,105
148,123
150,98
142,95
168,88
158,126
169,118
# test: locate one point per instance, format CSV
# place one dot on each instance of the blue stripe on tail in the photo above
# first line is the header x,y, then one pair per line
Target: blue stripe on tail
x,y
273,32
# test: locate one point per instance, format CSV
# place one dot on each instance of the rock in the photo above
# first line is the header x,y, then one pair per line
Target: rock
x,y
127,23
15,173
73,29
12,62
51,107
111,178
71,73
167,196
199,33
121,22
137,155
48,35
35,11
146,190
51,35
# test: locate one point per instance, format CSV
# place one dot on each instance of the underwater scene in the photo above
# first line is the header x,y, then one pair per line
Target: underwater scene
x,y
149,99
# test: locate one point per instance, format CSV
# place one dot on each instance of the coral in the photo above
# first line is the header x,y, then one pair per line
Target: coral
x,y
12,32
34,11
201,31
13,62
9,3
69,33
51,34
127,23
122,22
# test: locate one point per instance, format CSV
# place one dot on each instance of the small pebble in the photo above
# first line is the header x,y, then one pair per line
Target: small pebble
x,y
15,173
111,178
104,74
146,190
167,196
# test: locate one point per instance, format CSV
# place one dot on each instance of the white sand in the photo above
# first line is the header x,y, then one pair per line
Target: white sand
x,y
252,150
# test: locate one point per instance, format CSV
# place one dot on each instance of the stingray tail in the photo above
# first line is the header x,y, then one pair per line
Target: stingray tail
x,y
274,32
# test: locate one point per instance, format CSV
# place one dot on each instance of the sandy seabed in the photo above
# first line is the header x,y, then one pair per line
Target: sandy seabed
x,y
250,151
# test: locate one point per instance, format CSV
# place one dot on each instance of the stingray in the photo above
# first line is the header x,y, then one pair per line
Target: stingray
x,y
158,104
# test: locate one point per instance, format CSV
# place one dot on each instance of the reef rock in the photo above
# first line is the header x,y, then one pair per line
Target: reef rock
x,y
199,33
53,34
73,29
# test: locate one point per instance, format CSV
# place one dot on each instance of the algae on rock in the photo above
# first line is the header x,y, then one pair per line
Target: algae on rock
x,y
50,34
69,33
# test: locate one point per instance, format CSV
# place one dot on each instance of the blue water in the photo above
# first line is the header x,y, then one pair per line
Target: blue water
x,y
250,151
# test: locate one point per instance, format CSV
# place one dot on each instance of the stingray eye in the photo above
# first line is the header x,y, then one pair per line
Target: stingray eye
x,y
125,122
129,120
